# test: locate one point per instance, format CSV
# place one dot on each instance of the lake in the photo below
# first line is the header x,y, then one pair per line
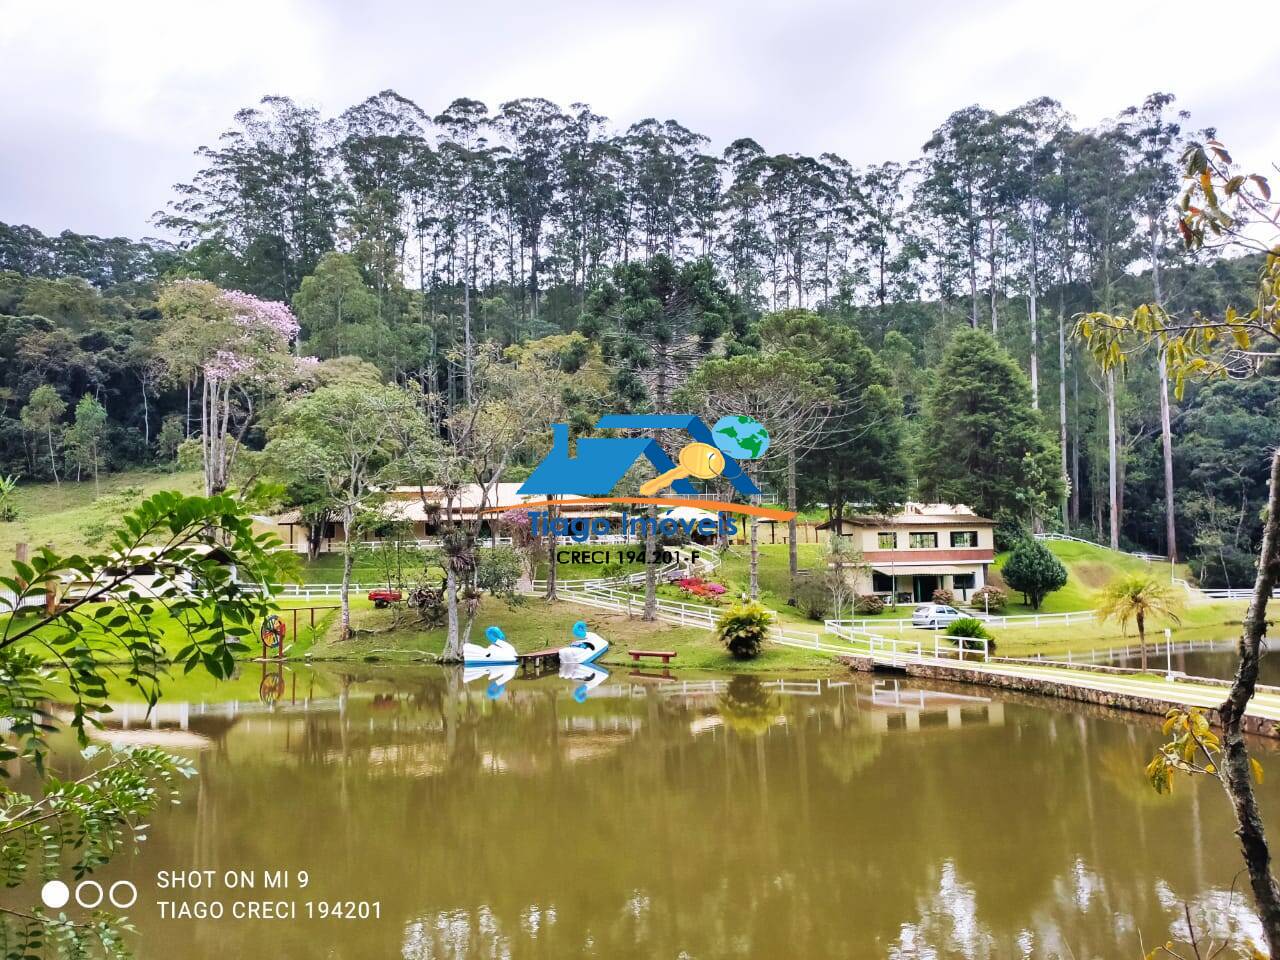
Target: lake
x,y
719,817
1197,658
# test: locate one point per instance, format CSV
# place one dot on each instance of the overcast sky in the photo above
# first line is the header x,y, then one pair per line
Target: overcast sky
x,y
102,104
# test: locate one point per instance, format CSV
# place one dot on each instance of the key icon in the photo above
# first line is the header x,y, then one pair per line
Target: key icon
x,y
700,460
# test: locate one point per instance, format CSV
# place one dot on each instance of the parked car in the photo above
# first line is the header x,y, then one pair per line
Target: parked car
x,y
934,615
383,597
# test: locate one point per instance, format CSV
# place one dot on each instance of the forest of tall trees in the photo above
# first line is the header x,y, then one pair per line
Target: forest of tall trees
x,y
418,242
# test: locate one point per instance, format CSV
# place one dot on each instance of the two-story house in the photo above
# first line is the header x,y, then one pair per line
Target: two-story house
x,y
923,547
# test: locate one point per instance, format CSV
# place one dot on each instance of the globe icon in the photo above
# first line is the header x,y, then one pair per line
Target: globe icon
x,y
741,437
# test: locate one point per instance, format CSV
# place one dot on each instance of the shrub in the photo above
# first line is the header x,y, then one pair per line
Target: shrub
x,y
969,629
743,629
944,596
814,599
868,604
989,598
1034,571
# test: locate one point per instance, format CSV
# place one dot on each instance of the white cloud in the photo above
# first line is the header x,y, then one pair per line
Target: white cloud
x,y
103,104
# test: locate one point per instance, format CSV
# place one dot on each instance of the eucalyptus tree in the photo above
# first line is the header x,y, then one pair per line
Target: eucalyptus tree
x,y
379,142
797,190
1108,196
466,165
661,160
589,199
957,175
743,239
1155,139
534,130
884,230
266,198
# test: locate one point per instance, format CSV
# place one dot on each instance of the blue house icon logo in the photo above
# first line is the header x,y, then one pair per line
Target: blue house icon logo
x,y
598,463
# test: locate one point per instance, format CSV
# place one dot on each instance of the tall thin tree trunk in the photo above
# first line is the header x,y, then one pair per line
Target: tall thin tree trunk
x,y
53,460
553,564
755,554
1113,471
1033,320
1235,767
453,638
1062,405
651,565
1075,441
1166,428
348,561
793,552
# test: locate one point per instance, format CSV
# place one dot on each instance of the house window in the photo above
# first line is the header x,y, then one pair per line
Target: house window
x,y
924,541
887,541
962,581
964,538
881,582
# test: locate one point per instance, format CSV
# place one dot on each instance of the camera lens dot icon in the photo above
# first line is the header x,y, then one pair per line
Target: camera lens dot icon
x,y
55,894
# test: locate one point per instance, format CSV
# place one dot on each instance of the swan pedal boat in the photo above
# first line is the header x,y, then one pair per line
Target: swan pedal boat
x,y
586,647
499,651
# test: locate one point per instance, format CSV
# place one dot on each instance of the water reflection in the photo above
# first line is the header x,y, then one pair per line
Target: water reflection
x,y
860,817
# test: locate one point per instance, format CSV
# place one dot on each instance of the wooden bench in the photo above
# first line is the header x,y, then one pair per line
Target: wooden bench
x,y
663,655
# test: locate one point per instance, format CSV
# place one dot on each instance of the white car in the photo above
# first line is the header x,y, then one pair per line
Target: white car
x,y
934,615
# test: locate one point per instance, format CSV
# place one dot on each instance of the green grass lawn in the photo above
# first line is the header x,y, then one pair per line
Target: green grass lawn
x,y
71,516
1089,569
533,625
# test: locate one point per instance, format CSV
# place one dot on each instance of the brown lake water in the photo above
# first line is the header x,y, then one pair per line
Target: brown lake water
x,y
1217,660
711,819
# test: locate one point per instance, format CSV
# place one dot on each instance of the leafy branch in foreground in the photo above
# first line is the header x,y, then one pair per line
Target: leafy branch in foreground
x,y
179,584
1217,202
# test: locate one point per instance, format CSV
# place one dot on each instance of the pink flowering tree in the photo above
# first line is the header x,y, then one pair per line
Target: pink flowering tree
x,y
233,348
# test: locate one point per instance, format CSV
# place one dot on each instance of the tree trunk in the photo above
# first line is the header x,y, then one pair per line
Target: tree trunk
x,y
651,566
453,638
553,565
793,552
1113,474
1033,320
1166,430
1235,772
348,517
755,555
1062,407
53,460
1142,639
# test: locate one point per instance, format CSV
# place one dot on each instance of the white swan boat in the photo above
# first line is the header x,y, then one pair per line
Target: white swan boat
x,y
499,651
590,675
499,675
586,647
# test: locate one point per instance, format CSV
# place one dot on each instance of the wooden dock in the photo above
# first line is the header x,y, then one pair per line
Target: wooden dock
x,y
536,663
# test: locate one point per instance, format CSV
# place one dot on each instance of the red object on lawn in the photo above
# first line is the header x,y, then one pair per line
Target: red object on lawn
x,y
384,597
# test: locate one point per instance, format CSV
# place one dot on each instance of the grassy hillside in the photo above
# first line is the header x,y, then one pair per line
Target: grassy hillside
x,y
71,516
1089,569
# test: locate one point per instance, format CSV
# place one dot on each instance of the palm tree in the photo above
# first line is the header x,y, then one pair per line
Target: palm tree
x,y
1137,597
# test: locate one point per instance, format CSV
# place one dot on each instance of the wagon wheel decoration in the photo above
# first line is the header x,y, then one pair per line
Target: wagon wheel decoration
x,y
273,631
271,687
